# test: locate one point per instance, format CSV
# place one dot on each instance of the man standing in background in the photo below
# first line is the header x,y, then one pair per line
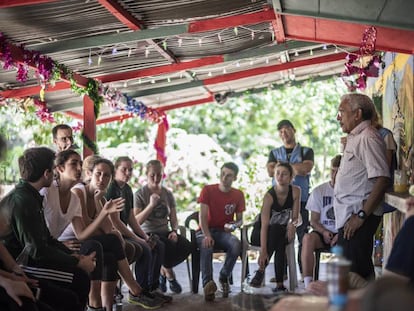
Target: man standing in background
x,y
301,159
63,137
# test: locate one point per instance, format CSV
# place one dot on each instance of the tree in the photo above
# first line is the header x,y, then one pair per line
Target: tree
x,y
201,137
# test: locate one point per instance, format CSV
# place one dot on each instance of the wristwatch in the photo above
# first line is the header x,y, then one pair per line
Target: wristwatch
x,y
362,215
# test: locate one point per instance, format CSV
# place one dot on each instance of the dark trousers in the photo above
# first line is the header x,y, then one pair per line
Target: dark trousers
x,y
66,297
302,230
174,252
8,304
113,251
147,266
276,243
359,248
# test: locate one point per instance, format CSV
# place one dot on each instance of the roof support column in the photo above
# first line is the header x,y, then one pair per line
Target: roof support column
x,y
89,124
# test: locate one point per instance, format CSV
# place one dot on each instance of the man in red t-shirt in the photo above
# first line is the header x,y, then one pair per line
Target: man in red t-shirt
x,y
219,203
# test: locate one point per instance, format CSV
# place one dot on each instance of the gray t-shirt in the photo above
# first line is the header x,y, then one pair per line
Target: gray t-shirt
x,y
157,221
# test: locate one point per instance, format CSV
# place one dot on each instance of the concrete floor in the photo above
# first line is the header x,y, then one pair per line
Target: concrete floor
x,y
257,299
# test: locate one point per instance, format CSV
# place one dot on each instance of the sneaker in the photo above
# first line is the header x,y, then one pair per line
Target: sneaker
x,y
163,284
144,301
278,290
225,288
161,296
150,295
210,291
175,286
257,280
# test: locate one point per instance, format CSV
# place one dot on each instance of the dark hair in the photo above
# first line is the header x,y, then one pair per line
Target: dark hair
x,y
34,162
63,156
286,165
101,160
119,160
60,127
284,123
231,166
155,163
336,160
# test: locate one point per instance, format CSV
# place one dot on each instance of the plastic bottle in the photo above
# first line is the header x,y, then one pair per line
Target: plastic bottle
x,y
337,276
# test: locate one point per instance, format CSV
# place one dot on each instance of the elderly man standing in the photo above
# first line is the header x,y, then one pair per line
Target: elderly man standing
x,y
301,159
361,182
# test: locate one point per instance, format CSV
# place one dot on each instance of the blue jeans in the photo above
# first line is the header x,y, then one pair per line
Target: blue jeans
x,y
224,241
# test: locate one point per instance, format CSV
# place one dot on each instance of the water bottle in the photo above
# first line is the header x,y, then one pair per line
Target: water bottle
x,y
337,277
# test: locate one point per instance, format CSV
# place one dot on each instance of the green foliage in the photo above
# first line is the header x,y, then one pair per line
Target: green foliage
x,y
20,126
202,137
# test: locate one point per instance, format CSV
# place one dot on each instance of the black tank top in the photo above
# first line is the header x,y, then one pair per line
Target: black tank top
x,y
288,203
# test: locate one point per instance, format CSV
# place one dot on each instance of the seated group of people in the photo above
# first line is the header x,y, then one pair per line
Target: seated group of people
x,y
70,230
65,234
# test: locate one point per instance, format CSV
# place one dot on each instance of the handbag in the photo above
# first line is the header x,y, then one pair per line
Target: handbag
x,y
280,218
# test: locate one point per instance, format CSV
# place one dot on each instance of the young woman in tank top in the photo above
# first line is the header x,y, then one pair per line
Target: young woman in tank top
x,y
282,201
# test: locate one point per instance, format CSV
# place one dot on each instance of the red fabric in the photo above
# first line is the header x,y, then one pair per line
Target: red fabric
x,y
161,140
221,205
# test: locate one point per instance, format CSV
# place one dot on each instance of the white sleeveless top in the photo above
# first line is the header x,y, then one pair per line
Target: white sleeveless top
x,y
56,220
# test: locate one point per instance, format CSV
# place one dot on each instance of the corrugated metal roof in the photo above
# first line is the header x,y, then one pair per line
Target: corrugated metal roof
x,y
234,52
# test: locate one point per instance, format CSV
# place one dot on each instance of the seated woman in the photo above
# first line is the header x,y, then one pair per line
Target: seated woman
x,y
87,213
278,220
155,210
148,263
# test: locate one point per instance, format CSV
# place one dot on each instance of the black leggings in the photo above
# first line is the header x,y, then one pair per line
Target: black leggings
x,y
172,253
276,242
113,251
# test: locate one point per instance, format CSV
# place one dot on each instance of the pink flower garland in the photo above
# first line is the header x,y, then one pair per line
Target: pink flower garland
x,y
47,71
43,112
358,74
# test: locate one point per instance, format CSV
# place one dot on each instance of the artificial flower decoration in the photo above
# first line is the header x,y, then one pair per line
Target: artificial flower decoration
x,y
364,64
48,71
43,112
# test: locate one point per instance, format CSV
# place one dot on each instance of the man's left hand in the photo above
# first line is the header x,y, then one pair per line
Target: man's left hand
x,y
352,225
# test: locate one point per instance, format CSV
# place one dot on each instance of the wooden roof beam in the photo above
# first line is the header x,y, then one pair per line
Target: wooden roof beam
x,y
242,74
12,3
121,14
132,23
232,76
157,33
32,90
206,61
345,33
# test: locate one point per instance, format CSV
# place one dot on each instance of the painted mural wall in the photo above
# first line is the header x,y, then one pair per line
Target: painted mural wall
x,y
396,86
393,92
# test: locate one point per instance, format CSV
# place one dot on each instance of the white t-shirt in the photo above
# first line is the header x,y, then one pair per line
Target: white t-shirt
x,y
56,220
321,201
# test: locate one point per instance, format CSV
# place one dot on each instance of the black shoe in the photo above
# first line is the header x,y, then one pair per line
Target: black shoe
x,y
165,298
163,283
257,280
145,301
175,286
280,289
